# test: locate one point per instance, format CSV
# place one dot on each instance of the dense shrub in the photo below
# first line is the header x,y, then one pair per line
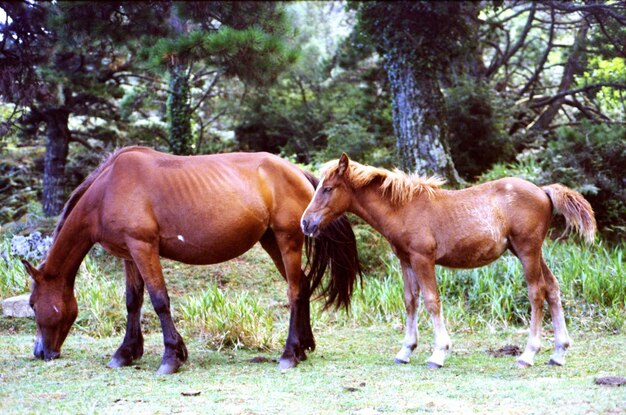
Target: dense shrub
x,y
591,159
475,135
19,184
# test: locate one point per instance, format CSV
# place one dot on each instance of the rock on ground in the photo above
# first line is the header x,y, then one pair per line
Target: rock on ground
x,y
17,307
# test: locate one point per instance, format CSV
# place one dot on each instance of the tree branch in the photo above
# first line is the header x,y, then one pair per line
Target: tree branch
x,y
542,60
516,46
586,88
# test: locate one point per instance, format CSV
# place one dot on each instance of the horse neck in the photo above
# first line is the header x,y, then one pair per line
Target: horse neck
x,y
68,251
374,208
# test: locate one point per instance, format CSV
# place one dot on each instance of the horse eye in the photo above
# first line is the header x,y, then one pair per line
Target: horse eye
x,y
327,189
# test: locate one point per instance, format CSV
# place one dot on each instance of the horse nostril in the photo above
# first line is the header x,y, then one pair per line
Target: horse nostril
x,y
305,224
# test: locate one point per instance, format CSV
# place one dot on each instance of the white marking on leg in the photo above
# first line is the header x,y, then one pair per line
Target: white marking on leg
x,y
442,339
561,337
534,338
410,339
181,238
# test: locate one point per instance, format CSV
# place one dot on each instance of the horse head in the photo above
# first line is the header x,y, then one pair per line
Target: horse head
x,y
55,310
331,199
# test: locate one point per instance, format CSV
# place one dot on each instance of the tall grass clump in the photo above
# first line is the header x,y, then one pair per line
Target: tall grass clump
x,y
592,280
101,301
13,277
593,284
233,320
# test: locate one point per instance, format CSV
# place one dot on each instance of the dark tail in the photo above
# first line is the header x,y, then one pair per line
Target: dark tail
x,y
577,211
334,246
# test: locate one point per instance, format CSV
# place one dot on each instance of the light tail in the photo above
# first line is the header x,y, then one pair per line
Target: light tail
x,y
575,208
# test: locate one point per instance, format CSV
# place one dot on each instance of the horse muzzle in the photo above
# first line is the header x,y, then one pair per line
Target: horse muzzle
x,y
40,351
310,228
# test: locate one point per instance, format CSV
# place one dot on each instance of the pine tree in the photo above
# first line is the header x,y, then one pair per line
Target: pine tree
x,y
247,40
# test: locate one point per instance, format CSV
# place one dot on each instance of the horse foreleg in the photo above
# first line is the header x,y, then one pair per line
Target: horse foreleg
x,y
146,258
303,315
300,336
536,296
411,301
561,337
132,347
425,272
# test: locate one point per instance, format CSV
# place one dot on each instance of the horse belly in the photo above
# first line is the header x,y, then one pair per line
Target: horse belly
x,y
211,245
473,251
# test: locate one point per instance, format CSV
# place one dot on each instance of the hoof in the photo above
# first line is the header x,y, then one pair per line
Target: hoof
x,y
433,365
116,363
523,365
553,362
400,361
169,368
285,364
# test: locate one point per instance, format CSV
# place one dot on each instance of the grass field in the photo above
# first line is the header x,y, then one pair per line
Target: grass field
x,y
352,372
236,311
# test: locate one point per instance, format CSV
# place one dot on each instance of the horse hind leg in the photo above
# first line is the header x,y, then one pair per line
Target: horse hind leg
x,y
146,257
411,301
561,337
131,348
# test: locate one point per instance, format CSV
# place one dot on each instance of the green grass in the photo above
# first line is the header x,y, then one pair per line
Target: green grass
x,y
231,312
351,372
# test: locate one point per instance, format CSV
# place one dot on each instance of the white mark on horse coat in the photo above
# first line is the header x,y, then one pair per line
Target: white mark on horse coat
x,y
508,186
56,309
181,238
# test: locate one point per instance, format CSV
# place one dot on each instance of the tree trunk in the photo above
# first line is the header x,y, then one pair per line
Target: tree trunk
x,y
54,165
179,110
178,105
574,65
420,122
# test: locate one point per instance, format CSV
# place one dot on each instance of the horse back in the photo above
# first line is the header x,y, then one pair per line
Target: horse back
x,y
198,209
474,226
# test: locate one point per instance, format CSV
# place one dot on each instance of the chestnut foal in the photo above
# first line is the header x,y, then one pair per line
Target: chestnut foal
x,y
427,225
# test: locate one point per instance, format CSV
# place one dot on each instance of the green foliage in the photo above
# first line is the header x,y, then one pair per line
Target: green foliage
x,y
13,278
18,183
475,130
591,159
424,35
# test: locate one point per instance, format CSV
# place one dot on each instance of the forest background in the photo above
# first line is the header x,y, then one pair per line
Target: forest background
x,y
471,91
468,90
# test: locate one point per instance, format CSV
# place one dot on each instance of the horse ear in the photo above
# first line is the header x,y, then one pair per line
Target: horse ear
x,y
343,164
32,271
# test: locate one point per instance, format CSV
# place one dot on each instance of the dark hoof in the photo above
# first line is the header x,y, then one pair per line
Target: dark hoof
x,y
553,362
432,365
286,363
400,361
523,365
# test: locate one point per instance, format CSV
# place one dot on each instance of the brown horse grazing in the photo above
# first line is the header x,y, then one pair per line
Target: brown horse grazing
x,y
427,225
141,204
